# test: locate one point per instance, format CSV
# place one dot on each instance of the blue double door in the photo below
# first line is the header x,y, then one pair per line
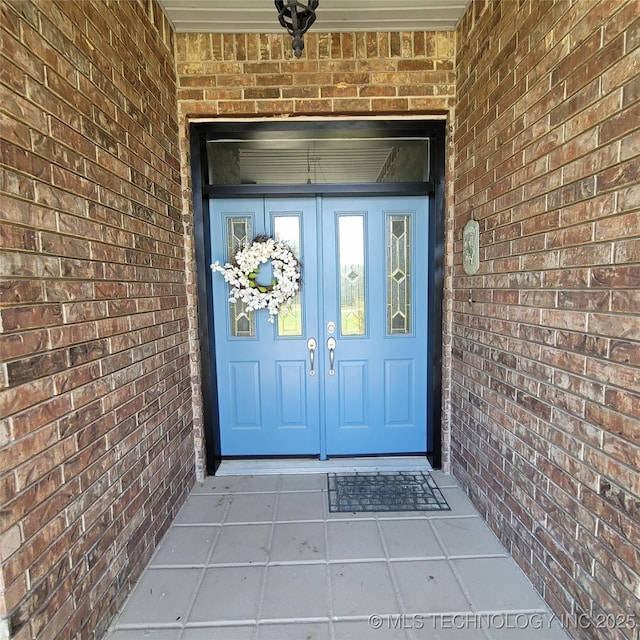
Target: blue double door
x,y
343,369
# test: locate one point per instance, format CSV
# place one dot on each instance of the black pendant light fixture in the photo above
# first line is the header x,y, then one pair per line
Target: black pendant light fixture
x,y
296,18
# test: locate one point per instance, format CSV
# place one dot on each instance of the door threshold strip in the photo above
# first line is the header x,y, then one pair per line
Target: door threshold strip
x,y
271,466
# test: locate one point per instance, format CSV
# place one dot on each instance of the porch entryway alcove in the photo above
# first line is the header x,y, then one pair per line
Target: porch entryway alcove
x,y
353,368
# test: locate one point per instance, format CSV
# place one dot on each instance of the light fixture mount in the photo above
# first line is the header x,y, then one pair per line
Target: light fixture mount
x,y
296,17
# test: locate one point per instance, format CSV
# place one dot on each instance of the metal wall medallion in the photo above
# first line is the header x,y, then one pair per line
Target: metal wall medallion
x,y
471,247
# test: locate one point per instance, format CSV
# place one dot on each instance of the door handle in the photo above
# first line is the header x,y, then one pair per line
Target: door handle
x,y
311,345
331,343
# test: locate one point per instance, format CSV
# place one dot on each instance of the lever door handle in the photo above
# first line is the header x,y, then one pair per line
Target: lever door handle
x,y
331,344
311,345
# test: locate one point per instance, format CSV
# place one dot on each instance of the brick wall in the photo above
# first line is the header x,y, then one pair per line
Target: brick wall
x,y
338,74
341,74
98,302
96,450
546,360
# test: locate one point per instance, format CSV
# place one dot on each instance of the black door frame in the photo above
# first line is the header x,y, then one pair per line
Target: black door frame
x,y
201,132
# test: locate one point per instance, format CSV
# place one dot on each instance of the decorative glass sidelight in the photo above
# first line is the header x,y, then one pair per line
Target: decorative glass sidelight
x,y
398,248
287,229
352,275
239,234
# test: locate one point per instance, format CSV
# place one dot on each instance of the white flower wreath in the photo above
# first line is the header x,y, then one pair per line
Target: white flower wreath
x,y
242,272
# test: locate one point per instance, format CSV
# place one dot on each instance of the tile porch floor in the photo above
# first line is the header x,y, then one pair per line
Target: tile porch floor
x,y
261,558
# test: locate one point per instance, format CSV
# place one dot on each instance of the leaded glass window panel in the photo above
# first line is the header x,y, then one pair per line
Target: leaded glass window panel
x,y
398,249
352,275
287,229
239,234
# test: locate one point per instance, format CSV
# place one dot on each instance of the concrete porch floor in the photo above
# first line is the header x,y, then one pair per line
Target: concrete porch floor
x,y
261,558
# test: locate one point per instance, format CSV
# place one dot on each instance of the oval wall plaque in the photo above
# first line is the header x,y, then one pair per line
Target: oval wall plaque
x,y
471,247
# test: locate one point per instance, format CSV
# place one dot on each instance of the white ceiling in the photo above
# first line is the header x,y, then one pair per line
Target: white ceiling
x,y
260,16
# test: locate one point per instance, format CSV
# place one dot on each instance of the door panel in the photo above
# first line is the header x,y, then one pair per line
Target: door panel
x,y
398,392
391,337
244,378
365,272
268,404
291,404
353,382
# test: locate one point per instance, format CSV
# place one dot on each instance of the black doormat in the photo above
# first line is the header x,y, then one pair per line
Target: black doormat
x,y
384,491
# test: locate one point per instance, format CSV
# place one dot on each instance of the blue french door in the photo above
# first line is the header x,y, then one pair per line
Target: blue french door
x,y
375,292
268,402
343,371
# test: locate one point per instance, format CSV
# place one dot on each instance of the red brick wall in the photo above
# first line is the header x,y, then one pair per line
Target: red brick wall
x,y
546,360
338,74
96,450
